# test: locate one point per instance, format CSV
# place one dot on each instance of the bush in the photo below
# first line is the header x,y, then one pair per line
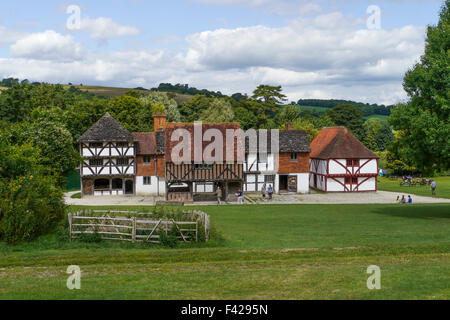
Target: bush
x,y
169,240
30,206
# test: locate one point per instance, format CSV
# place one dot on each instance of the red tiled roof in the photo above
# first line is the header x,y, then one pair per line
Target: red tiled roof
x,y
222,127
339,143
146,142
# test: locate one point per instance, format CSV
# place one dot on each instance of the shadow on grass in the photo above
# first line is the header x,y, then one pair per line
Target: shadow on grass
x,y
422,211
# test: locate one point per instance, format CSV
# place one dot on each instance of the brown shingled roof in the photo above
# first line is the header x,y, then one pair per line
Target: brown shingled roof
x,y
146,143
106,129
339,143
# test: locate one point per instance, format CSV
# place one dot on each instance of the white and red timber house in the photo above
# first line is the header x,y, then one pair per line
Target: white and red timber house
x,y
341,163
117,162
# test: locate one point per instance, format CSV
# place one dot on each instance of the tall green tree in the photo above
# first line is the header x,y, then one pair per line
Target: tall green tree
x,y
218,111
348,116
424,120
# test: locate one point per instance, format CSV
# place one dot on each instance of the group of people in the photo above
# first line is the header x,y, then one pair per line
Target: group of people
x,y
404,200
269,191
240,194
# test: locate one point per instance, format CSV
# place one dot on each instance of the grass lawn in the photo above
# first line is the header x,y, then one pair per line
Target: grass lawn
x,y
442,187
259,252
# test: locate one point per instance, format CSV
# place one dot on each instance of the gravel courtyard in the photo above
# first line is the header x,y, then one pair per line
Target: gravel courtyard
x,y
312,198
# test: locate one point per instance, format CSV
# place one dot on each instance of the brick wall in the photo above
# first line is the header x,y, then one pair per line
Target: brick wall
x,y
149,169
286,165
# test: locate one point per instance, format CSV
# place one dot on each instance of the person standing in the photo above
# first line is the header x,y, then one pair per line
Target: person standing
x,y
270,191
263,191
240,197
219,195
433,187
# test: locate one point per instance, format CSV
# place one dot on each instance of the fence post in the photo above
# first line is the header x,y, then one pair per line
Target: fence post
x,y
133,237
70,226
196,231
206,227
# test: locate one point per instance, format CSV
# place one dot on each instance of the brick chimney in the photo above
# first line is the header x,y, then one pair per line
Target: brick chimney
x,y
159,121
288,126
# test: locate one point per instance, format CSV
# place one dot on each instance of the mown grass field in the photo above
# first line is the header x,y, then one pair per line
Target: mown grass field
x,y
258,252
442,187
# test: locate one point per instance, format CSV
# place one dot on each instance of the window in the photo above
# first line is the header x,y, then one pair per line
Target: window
x,y
96,145
147,160
353,163
122,144
347,180
294,156
354,180
122,161
269,179
147,181
95,162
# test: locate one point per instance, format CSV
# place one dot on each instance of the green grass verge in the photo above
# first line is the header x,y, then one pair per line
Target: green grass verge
x,y
267,252
442,187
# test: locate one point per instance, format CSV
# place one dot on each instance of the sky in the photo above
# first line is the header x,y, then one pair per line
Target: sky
x,y
324,49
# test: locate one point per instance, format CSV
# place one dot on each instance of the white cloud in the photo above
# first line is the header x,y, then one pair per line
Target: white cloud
x,y
8,36
47,45
253,3
105,28
329,56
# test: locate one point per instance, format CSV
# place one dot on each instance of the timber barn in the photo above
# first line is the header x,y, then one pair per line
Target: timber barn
x,y
341,163
117,162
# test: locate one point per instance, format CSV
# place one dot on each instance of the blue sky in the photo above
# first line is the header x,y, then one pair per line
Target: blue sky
x,y
314,49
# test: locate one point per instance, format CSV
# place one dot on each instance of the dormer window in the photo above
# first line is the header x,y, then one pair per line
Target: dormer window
x,y
294,156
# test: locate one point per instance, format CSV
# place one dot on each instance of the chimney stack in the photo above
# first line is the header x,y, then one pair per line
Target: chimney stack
x,y
288,126
159,120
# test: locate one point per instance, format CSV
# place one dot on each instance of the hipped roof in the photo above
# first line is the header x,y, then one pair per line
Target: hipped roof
x,y
339,143
106,129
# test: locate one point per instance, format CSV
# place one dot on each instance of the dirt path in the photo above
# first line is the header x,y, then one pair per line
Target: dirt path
x,y
381,197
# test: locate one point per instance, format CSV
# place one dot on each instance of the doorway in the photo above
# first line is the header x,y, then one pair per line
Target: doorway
x,y
129,187
283,183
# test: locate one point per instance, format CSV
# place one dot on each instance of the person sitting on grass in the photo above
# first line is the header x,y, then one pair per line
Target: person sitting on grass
x,y
403,200
398,199
409,199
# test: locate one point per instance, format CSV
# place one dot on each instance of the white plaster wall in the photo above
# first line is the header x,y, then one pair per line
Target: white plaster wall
x,y
369,185
332,185
335,168
302,182
150,189
370,167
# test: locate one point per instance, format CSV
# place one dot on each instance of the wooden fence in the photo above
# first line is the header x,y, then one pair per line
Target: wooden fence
x,y
136,228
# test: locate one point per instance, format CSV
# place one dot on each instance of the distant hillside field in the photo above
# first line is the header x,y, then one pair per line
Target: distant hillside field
x,y
112,92
3,88
321,110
